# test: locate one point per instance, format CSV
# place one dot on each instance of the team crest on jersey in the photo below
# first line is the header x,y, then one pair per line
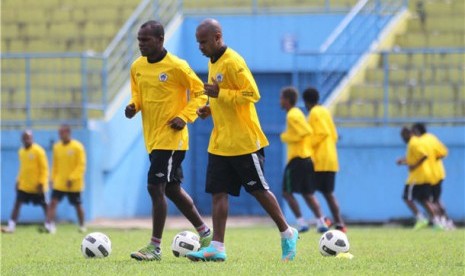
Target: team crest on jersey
x,y
219,77
163,77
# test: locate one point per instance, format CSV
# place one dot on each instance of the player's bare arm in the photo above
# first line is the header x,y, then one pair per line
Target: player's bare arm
x,y
130,111
401,161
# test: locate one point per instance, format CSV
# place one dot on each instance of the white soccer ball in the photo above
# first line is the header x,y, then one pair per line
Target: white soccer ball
x,y
96,245
333,242
185,242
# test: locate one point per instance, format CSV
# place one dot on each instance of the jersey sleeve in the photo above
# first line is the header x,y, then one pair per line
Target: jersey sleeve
x,y
440,149
43,167
135,94
247,90
297,129
78,172
320,129
194,85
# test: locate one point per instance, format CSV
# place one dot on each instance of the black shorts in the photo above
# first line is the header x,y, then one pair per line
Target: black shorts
x,y
165,166
324,182
35,199
436,192
74,198
227,174
299,176
417,192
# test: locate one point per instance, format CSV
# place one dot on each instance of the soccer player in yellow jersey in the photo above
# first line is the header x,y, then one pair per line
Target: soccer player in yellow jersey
x,y
299,174
440,152
419,179
160,83
323,144
68,168
32,179
236,145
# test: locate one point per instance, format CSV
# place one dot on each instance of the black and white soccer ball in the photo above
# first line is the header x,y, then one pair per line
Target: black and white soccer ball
x,y
96,245
333,242
185,242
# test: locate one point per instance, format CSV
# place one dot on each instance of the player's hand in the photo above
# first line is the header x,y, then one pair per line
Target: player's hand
x,y
204,111
177,123
211,90
17,185
130,111
69,183
401,161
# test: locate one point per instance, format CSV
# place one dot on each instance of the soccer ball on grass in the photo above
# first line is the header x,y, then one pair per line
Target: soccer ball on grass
x,y
333,242
185,242
96,245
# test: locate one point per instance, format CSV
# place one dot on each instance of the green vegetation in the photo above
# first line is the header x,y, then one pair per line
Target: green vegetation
x,y
251,251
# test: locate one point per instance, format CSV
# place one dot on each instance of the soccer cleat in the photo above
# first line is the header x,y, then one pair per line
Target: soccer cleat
x,y
289,246
438,227
7,230
303,228
206,240
148,253
323,227
421,223
209,253
345,255
82,229
341,228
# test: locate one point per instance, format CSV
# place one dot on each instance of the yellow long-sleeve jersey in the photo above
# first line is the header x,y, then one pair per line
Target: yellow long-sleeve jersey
x,y
33,169
297,135
439,151
236,127
69,163
160,91
422,174
323,140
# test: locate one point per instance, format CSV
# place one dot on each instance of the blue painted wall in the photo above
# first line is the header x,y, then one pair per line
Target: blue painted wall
x,y
368,186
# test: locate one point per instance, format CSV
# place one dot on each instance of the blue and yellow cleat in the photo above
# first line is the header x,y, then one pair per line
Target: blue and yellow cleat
x,y
208,254
289,246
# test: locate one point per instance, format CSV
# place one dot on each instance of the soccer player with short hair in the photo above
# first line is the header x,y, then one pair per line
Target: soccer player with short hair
x,y
440,152
32,179
325,161
68,168
299,174
160,83
235,152
419,179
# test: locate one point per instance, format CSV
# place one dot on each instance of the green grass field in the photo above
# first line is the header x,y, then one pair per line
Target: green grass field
x,y
251,251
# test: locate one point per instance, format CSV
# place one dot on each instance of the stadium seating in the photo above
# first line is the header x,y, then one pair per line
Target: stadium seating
x,y
428,85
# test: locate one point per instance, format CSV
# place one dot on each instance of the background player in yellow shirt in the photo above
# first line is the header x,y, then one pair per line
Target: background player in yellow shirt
x,y
299,174
69,165
32,179
440,152
236,145
419,179
325,161
160,82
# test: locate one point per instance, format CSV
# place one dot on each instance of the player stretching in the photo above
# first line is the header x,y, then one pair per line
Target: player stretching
x,y
323,143
440,152
159,85
299,174
69,165
419,179
32,180
236,145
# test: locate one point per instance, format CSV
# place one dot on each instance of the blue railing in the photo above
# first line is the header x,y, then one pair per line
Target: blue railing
x,y
353,36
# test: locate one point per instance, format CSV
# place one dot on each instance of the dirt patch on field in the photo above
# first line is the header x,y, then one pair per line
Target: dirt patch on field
x,y
176,222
